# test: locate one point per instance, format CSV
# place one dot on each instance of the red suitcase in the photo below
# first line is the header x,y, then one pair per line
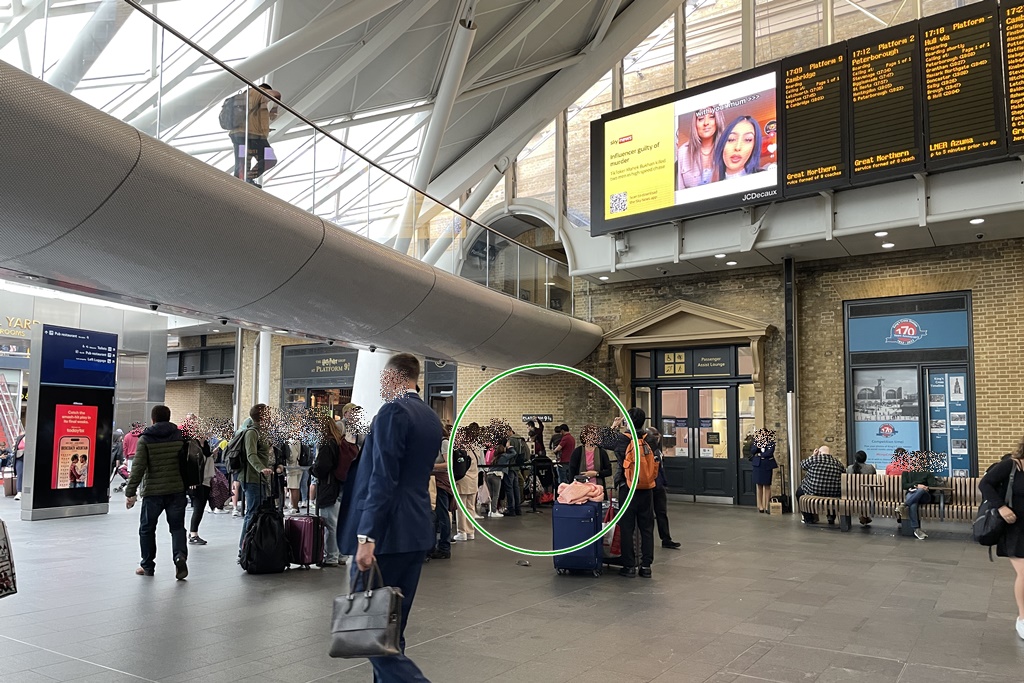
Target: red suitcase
x,y
305,534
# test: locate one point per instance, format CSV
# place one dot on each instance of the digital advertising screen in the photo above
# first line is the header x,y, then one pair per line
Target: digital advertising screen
x,y
73,446
692,153
962,81
1012,12
886,112
815,96
73,357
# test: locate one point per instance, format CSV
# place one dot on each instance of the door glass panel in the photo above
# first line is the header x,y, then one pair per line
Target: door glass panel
x,y
643,401
949,422
748,410
643,364
673,422
713,423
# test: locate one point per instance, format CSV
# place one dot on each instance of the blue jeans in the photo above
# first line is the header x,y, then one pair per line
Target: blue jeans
x,y
443,522
19,467
253,495
402,571
330,517
915,498
173,505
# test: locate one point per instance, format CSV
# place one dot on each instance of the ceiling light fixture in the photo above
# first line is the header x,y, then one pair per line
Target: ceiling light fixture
x,y
888,245
730,263
881,233
719,255
214,330
603,278
281,331
549,284
977,221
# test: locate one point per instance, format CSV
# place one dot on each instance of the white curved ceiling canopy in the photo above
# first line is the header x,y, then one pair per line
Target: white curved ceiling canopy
x,y
90,204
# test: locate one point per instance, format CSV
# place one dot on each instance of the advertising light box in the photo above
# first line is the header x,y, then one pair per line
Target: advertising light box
x,y
688,154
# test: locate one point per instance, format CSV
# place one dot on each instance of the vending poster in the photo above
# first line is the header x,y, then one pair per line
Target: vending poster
x,y
74,446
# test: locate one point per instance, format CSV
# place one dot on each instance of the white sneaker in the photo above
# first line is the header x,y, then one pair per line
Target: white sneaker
x,y
1020,628
920,535
470,537
476,516
460,537
495,514
17,496
236,513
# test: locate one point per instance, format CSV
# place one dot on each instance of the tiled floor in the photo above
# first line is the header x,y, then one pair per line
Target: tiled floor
x,y
748,598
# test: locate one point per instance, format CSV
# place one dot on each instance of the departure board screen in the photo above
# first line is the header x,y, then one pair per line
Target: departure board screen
x,y
962,85
1013,57
815,96
886,110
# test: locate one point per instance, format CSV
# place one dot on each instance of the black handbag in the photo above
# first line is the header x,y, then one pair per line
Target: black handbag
x,y
367,623
990,526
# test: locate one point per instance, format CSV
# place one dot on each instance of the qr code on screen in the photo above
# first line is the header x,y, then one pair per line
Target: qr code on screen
x,y
619,202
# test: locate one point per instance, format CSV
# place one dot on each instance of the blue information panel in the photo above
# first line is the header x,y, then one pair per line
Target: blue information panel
x,y
904,332
82,358
948,426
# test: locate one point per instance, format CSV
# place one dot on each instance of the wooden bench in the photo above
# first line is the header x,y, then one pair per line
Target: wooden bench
x,y
877,495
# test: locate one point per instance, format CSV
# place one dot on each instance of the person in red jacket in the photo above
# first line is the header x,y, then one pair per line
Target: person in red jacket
x,y
131,440
566,445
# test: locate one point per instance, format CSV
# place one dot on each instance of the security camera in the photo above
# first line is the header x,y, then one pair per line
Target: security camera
x,y
662,271
483,368
373,348
980,236
440,363
330,342
153,307
223,321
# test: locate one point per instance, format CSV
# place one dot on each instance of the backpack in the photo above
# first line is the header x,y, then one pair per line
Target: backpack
x,y
235,452
648,465
233,112
265,549
193,462
461,462
305,455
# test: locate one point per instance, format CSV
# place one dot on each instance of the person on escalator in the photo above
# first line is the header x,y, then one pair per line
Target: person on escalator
x,y
250,139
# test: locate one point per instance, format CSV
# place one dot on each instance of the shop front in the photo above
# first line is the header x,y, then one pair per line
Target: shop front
x,y
697,373
317,376
910,380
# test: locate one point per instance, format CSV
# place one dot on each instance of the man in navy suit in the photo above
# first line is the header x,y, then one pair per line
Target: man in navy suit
x,y
389,518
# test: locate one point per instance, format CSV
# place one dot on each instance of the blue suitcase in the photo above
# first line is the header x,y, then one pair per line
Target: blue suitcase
x,y
571,525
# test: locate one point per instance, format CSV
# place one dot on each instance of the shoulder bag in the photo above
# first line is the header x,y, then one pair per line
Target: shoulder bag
x,y
990,526
367,623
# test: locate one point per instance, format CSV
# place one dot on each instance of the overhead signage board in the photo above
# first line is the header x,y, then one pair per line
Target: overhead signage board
x,y
73,357
962,81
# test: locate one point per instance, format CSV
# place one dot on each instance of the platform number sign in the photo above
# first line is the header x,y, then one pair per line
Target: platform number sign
x,y
905,332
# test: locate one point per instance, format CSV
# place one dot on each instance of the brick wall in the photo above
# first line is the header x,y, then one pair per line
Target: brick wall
x,y
994,274
212,401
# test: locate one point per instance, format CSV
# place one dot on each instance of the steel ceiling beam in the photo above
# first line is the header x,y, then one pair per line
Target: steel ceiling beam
x,y
89,44
308,38
32,10
349,65
451,81
607,14
628,30
506,39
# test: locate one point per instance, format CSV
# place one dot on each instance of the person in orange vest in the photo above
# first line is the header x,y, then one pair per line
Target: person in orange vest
x,y
640,513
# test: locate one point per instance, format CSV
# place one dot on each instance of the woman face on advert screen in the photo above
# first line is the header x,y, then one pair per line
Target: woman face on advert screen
x,y
738,147
707,126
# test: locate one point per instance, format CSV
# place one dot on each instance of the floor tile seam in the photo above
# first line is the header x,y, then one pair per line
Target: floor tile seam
x,y
460,630
843,652
79,659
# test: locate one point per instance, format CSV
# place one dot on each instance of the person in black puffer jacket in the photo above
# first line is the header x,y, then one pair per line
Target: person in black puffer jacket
x,y
157,468
333,450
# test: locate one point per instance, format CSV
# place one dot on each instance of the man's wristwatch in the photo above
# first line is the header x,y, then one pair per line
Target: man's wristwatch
x,y
363,538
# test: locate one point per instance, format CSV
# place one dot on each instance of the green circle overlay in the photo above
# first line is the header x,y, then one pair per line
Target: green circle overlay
x,y
451,453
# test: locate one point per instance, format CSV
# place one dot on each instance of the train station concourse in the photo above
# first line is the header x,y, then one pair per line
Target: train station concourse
x,y
706,312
